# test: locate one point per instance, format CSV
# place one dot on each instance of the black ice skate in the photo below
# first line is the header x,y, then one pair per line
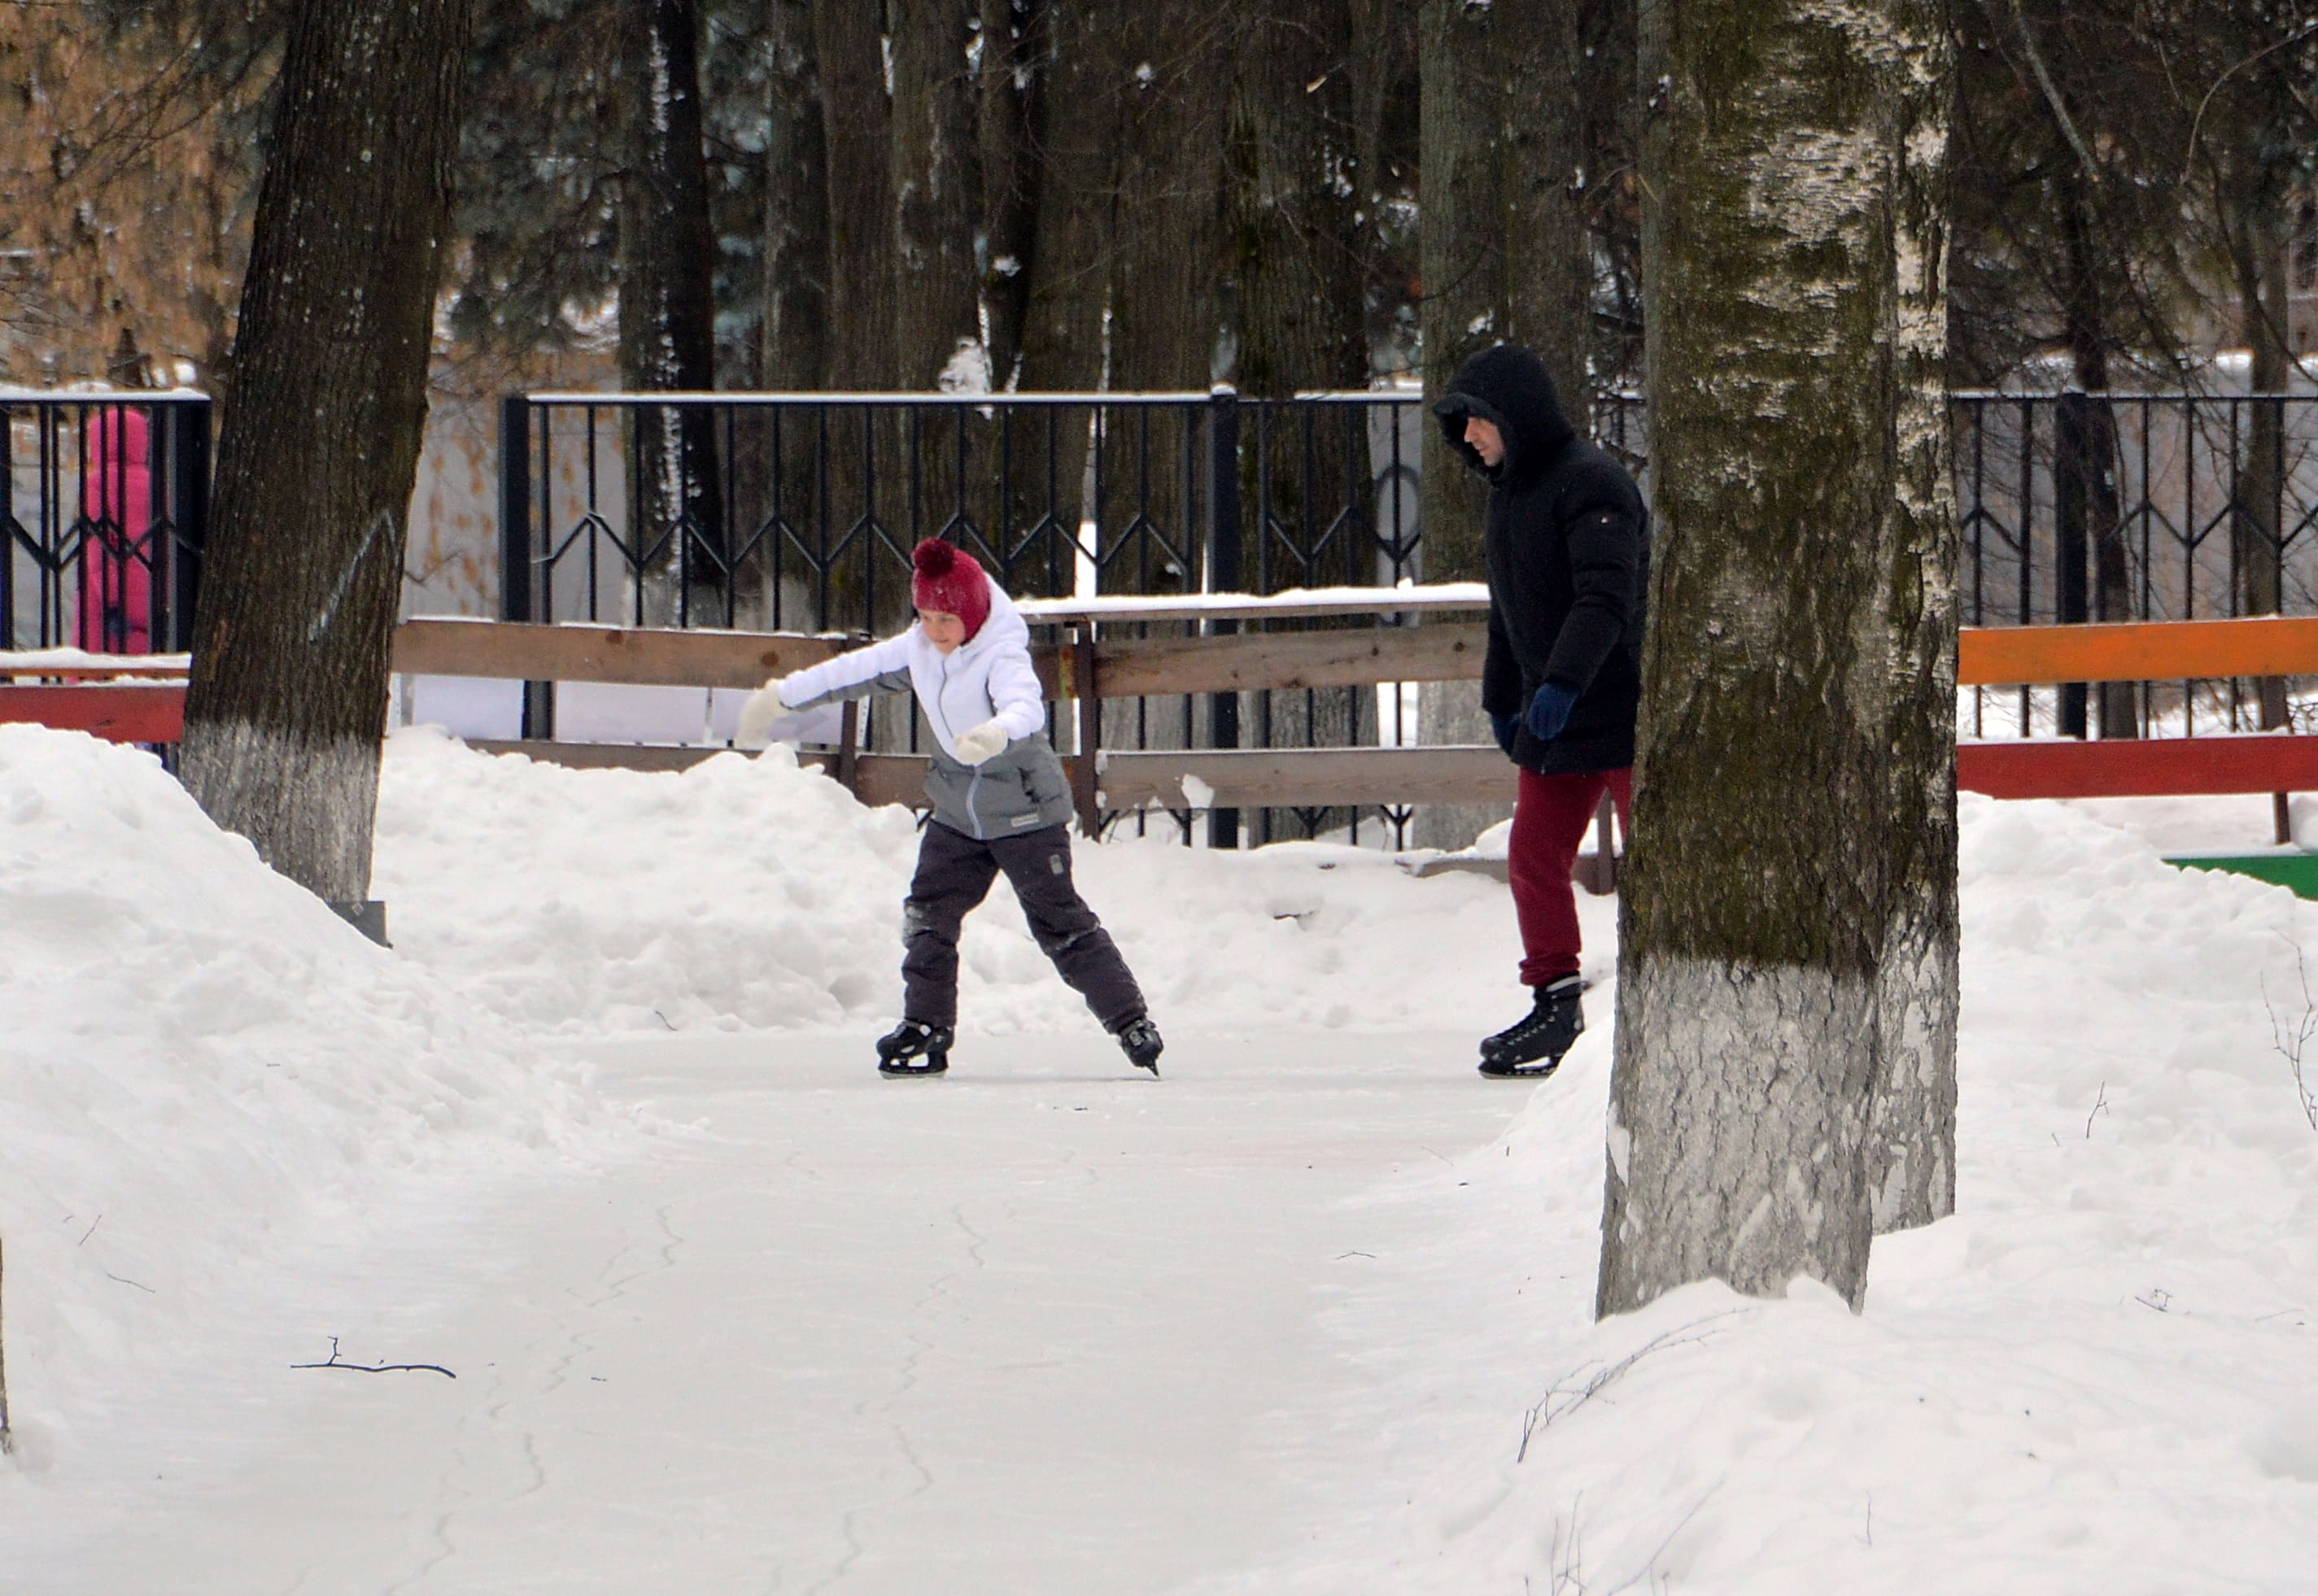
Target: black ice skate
x,y
1139,1038
1534,1045
914,1048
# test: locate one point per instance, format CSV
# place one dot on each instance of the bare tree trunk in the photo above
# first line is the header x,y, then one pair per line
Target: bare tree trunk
x,y
1463,62
2256,528
935,318
857,122
1014,71
1382,64
1910,1151
668,319
1504,258
1166,309
1068,287
1299,277
863,484
796,209
1795,623
796,300
319,448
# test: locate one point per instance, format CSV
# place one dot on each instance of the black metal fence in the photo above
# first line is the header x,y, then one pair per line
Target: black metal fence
x,y
2134,508
103,505
802,514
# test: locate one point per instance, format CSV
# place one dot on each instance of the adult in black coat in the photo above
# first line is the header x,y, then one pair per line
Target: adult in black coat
x,y
1567,547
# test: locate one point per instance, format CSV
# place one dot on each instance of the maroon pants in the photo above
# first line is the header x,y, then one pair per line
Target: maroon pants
x,y
1550,820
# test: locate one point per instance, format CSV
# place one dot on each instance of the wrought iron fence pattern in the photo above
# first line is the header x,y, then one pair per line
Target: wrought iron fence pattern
x,y
103,503
2081,507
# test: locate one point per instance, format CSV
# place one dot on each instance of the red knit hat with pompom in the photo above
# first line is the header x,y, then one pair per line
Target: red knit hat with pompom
x,y
945,577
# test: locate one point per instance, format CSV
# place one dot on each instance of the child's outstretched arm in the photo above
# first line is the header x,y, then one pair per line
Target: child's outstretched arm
x,y
882,667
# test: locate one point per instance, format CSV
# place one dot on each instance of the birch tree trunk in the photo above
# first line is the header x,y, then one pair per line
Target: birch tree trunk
x,y
319,448
1773,970
1912,1143
667,333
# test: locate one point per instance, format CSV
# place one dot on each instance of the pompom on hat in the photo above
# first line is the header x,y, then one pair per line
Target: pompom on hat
x,y
947,578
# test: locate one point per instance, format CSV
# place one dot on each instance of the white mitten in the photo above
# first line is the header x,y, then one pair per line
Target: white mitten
x,y
760,716
981,742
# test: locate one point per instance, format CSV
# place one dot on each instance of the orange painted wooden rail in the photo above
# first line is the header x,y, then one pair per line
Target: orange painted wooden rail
x,y
2137,652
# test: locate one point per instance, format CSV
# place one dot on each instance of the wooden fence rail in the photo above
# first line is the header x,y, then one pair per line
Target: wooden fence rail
x,y
1092,660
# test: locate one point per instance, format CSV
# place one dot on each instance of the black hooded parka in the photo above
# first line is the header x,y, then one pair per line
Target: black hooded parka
x,y
1568,546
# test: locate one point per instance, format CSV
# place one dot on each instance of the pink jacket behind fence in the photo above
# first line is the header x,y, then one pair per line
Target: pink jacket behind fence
x,y
116,561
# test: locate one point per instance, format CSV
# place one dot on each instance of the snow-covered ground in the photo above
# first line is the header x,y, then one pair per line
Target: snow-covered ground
x,y
1313,1314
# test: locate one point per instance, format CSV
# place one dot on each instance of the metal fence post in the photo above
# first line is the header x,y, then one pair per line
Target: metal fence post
x,y
516,600
7,527
189,498
2072,448
1223,576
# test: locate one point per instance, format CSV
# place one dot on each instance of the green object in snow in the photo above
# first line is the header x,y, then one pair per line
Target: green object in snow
x,y
2289,867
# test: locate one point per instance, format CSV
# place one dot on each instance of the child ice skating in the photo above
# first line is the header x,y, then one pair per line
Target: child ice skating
x,y
998,797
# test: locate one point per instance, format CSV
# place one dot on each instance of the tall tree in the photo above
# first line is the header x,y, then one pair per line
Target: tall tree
x,y
936,320
857,132
1010,104
319,447
1504,257
1796,622
668,318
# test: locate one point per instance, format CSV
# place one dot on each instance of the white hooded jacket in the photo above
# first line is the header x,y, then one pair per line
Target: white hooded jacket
x,y
987,678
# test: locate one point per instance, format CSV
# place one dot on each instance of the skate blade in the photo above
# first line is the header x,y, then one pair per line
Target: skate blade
x,y
1537,1070
898,1068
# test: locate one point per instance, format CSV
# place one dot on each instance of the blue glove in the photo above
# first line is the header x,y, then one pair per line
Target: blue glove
x,y
1505,729
1549,711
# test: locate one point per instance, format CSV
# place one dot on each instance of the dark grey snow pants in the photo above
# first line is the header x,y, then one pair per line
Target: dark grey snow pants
x,y
953,874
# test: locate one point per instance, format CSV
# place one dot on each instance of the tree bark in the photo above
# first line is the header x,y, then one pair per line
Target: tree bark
x,y
863,485
1910,1149
1797,626
796,209
936,320
1066,290
794,356
1298,280
1173,79
1504,256
319,448
1011,107
667,320
857,129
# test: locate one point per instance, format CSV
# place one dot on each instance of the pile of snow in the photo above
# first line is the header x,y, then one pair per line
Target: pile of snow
x,y
209,1080
2097,1376
750,893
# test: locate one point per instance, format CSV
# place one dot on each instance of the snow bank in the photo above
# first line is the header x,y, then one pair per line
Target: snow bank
x,y
750,893
2097,1377
203,1072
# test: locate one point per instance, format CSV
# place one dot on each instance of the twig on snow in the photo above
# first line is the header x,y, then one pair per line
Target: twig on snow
x,y
2291,1048
375,1368
2101,1105
1543,1415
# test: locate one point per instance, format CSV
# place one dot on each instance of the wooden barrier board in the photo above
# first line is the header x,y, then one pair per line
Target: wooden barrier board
x,y
639,656
2158,767
130,713
2137,652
